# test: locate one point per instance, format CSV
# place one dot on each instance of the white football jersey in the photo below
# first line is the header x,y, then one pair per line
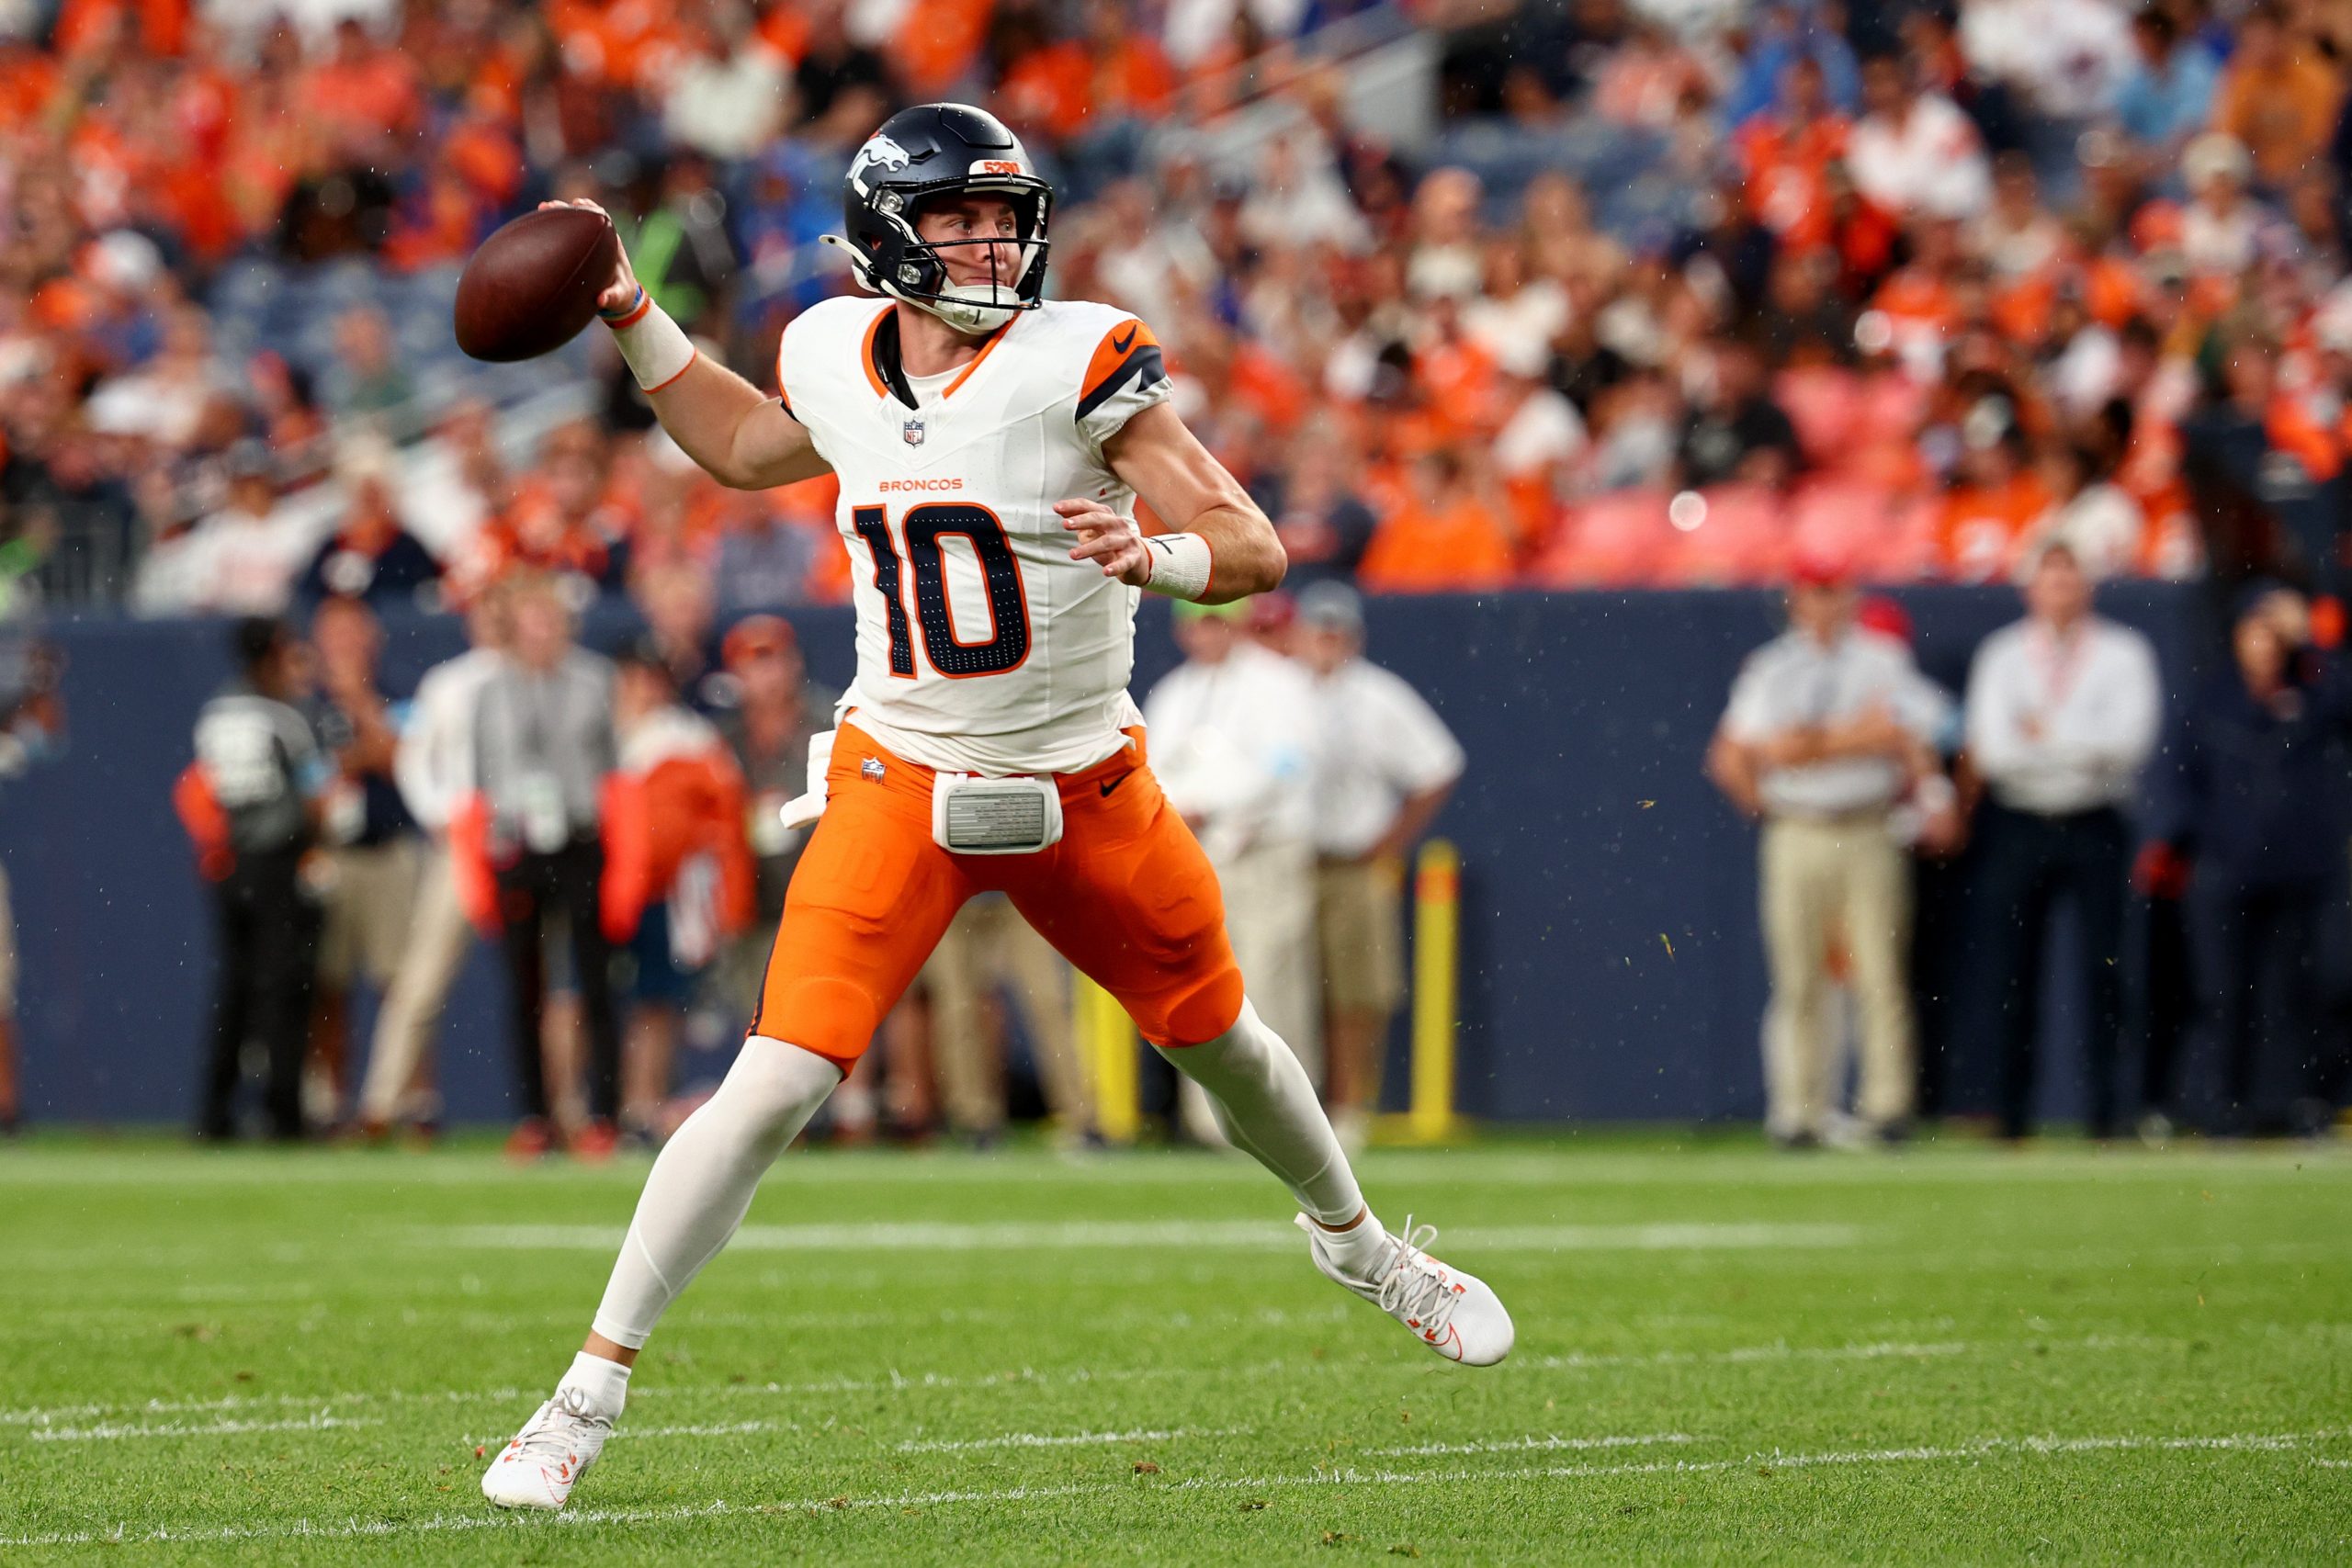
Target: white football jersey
x,y
981,646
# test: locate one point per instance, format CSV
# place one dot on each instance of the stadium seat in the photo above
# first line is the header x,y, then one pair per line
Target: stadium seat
x,y
1611,541
1824,403
1907,551
1840,516
1736,538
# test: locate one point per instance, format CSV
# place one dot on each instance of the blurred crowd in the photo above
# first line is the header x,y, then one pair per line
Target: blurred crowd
x,y
1669,293
621,827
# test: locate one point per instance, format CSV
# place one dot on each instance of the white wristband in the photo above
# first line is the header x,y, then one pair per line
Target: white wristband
x,y
1179,565
656,347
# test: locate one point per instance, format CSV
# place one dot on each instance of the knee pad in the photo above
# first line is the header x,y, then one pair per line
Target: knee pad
x,y
1197,1014
824,1015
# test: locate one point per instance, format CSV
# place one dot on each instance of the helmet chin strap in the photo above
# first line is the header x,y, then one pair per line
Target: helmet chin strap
x,y
968,307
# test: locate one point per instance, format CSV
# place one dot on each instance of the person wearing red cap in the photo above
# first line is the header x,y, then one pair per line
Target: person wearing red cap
x,y
1822,735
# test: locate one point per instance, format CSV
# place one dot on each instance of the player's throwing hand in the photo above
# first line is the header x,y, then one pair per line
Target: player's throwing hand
x,y
1103,535
621,292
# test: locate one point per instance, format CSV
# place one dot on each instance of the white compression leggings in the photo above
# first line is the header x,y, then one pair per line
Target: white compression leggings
x,y
702,1185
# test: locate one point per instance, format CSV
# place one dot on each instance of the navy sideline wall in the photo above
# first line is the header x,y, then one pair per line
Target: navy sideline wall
x,y
1611,964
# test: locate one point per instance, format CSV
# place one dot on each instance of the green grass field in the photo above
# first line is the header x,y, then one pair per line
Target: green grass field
x,y
1724,1354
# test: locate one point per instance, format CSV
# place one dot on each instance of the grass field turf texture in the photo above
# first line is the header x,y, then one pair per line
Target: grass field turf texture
x,y
1958,1353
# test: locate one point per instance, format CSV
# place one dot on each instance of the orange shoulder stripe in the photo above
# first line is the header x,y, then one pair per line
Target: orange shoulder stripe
x,y
1110,354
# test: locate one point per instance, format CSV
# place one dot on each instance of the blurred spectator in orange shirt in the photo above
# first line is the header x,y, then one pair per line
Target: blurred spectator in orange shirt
x,y
2277,97
1785,154
1456,375
1446,538
618,41
1919,306
937,41
1991,508
564,518
362,91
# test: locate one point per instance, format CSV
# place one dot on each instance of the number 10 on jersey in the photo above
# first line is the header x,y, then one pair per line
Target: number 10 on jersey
x,y
923,528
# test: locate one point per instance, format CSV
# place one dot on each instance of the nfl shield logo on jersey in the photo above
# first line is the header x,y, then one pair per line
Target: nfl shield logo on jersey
x,y
912,432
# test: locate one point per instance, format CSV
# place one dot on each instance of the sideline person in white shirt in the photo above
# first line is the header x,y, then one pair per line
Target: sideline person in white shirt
x,y
1389,762
433,770
1236,740
1823,737
2064,709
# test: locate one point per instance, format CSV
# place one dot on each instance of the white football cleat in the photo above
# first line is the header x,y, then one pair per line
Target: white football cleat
x,y
548,1456
1456,1314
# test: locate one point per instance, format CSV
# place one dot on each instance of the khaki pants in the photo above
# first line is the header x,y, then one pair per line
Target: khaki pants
x,y
1270,915
1360,919
1838,883
1270,918
431,955
986,943
368,907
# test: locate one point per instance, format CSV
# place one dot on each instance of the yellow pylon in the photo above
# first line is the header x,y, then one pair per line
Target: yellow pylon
x,y
1437,957
1107,1042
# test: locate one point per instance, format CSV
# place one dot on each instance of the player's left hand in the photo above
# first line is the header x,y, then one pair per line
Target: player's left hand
x,y
1105,536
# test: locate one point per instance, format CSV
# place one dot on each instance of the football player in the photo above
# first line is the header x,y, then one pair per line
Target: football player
x,y
992,445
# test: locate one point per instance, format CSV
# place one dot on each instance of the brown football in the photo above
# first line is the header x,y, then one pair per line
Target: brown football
x,y
534,283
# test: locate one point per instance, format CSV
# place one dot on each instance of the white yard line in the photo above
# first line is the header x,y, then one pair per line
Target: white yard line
x,y
712,1430
1536,1445
1984,1448
38,1417
1054,1440
117,1432
1746,1354
1960,1162
1156,1234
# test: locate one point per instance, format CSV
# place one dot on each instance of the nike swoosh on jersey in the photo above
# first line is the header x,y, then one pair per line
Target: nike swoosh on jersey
x,y
1107,786
1120,344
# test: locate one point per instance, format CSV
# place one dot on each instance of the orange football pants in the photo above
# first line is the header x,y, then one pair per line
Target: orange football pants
x,y
1126,895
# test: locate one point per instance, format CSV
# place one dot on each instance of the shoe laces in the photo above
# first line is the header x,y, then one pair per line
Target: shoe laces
x,y
1414,1285
554,1436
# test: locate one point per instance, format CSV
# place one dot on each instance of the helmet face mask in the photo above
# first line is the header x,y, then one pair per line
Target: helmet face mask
x,y
920,157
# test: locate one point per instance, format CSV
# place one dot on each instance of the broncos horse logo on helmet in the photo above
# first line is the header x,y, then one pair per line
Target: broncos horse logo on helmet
x,y
920,154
